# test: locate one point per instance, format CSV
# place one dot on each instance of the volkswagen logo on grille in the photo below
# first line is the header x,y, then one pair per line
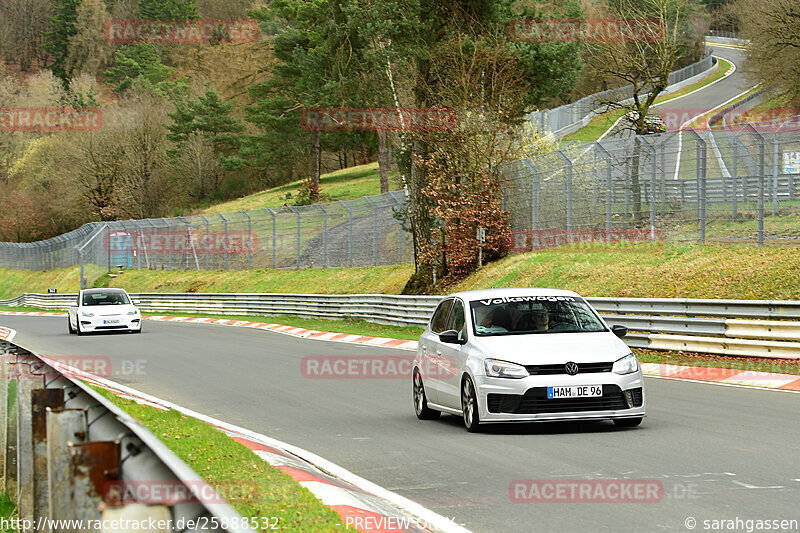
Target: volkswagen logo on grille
x,y
571,368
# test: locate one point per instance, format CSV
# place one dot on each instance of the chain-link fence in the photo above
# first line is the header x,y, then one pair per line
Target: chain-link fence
x,y
726,185
360,232
730,184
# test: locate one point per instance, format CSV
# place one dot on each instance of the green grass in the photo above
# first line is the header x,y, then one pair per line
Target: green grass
x,y
361,280
346,184
767,105
594,129
601,123
598,269
223,462
15,282
7,511
670,270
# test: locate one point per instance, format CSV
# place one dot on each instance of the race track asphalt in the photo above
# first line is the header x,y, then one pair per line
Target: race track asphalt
x,y
719,452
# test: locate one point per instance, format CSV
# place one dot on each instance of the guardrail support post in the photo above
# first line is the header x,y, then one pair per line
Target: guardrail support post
x,y
41,401
63,426
25,483
92,464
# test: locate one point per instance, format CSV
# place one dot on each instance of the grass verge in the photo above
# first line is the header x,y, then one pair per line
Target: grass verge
x,y
227,464
15,282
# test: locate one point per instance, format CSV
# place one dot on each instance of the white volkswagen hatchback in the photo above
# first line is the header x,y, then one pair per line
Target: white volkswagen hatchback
x,y
103,310
523,355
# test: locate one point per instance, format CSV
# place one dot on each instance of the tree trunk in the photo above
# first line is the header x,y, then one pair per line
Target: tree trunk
x,y
383,161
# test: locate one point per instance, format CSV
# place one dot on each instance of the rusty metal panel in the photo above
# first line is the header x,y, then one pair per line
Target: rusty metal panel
x,y
41,400
92,465
63,426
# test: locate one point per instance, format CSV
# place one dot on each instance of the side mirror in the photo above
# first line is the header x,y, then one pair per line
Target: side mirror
x,y
450,337
619,331
74,304
136,302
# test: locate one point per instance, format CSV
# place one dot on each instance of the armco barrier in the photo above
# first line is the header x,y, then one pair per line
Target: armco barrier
x,y
64,446
763,328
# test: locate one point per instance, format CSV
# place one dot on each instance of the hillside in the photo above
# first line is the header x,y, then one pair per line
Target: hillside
x,y
345,184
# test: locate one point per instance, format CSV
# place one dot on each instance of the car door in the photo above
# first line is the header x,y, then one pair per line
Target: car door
x,y
430,348
451,359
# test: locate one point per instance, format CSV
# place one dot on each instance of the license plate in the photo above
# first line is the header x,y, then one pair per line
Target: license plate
x,y
110,321
577,391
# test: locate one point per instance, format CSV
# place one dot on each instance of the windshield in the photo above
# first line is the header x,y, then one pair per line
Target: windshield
x,y
533,314
105,298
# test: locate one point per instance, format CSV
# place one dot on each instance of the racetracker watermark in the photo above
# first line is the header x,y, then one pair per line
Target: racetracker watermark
x,y
373,366
374,119
766,121
539,239
179,241
586,30
179,492
586,491
99,366
50,119
181,31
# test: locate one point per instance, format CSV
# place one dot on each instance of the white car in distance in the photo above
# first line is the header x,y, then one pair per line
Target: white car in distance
x,y
104,310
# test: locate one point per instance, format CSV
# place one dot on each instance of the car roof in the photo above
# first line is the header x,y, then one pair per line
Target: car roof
x,y
90,291
512,292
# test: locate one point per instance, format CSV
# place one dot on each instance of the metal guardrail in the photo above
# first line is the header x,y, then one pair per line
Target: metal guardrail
x,y
66,448
763,328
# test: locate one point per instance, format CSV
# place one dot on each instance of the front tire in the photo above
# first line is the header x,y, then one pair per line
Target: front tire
x,y
421,401
469,406
627,422
78,328
140,328
69,327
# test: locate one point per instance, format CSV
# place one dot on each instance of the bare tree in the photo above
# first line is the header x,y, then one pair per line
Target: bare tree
x,y
773,29
643,62
24,23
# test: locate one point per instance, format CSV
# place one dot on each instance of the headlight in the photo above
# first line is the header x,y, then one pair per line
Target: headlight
x,y
626,365
504,369
87,314
133,312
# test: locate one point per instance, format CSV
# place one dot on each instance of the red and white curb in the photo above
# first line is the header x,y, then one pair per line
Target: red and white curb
x,y
362,505
6,334
724,376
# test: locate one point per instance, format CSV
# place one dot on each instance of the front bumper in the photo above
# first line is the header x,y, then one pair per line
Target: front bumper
x,y
124,323
525,400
